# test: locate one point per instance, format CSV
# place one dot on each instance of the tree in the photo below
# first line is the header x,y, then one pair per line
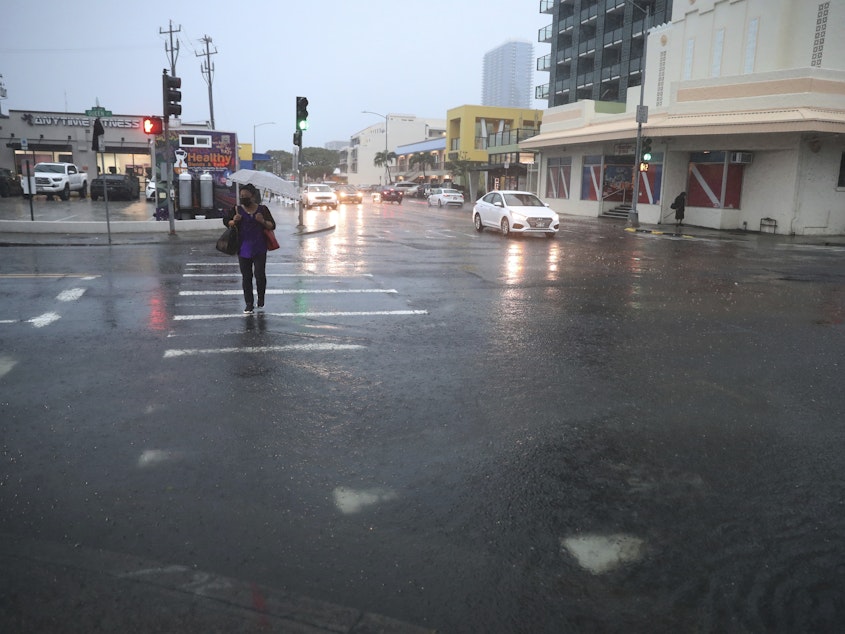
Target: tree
x,y
422,159
463,168
384,159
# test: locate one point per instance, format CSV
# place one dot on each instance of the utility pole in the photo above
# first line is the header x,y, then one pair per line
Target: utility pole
x,y
173,50
208,74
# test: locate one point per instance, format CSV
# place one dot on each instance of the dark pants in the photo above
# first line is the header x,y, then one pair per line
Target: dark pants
x,y
259,264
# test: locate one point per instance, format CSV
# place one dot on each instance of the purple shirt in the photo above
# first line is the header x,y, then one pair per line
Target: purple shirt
x,y
252,235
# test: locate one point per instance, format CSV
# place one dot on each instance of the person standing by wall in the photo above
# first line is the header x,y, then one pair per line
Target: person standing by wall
x,y
679,205
251,219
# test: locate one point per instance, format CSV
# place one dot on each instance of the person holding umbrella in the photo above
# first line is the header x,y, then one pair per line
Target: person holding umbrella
x,y
251,219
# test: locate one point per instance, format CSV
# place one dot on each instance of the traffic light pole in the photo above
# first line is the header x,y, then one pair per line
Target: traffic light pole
x,y
301,224
171,212
642,117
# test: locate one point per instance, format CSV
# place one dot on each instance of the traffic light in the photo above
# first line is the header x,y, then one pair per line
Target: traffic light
x,y
152,125
646,154
297,138
172,95
301,113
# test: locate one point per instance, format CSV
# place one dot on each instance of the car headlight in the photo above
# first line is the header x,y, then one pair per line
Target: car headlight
x,y
519,218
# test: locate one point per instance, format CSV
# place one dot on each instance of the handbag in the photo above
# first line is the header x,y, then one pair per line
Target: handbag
x,y
270,239
228,242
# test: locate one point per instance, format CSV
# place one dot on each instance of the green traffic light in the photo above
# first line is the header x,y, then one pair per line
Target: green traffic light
x,y
647,156
303,124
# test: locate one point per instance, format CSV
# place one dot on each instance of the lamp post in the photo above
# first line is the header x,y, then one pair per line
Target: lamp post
x,y
257,125
386,168
642,117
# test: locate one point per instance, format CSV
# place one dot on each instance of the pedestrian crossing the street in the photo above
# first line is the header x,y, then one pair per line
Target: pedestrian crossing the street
x,y
296,301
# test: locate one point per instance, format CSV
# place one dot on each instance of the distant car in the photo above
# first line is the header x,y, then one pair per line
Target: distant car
x,y
407,188
119,186
318,196
515,212
442,196
349,194
150,191
10,183
390,194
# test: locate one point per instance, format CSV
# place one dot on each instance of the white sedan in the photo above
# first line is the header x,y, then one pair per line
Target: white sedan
x,y
515,212
441,196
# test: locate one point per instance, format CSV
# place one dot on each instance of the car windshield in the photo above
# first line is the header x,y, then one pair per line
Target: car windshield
x,y
451,191
46,167
319,188
523,200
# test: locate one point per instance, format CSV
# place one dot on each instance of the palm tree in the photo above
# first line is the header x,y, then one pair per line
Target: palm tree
x,y
422,159
384,158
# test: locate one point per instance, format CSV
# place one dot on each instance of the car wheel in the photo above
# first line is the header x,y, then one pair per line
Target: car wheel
x,y
506,227
83,193
65,195
479,226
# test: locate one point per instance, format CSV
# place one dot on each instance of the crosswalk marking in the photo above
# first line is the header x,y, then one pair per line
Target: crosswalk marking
x,y
294,291
363,313
300,347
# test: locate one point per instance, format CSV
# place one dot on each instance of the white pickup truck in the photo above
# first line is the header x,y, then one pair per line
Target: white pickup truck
x,y
57,178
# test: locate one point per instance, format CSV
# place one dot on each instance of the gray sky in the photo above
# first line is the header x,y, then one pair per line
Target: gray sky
x,y
392,56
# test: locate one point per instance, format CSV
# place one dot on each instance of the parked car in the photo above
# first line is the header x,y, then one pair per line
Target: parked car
x,y
349,194
10,183
150,191
318,196
119,186
515,212
442,196
390,194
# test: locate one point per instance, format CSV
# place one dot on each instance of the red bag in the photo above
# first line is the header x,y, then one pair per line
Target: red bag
x,y
270,239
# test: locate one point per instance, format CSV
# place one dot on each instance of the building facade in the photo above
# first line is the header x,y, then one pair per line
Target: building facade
x,y
746,114
596,47
508,74
357,161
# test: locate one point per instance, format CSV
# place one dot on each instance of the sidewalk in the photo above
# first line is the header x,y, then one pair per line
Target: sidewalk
x,y
50,587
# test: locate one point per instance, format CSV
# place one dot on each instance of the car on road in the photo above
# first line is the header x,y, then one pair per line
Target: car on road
x,y
407,188
349,194
517,212
390,194
443,197
318,195
117,185
10,183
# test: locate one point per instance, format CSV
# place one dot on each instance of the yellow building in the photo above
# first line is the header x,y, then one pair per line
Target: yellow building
x,y
488,137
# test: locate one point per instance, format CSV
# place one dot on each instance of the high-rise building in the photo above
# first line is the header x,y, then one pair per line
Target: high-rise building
x,y
508,75
596,47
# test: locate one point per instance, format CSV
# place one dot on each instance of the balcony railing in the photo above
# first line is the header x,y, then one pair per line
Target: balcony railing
x,y
541,92
547,6
545,34
545,62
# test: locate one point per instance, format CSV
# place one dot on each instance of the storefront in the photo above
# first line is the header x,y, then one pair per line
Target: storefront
x,y
35,137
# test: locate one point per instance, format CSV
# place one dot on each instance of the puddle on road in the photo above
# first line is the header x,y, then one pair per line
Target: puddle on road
x,y
603,553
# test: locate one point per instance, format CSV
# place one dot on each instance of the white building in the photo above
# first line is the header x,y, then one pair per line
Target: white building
x,y
388,134
508,76
746,114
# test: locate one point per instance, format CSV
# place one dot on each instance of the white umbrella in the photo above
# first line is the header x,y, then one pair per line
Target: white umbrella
x,y
266,181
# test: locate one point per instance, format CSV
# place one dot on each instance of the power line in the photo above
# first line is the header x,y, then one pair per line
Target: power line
x,y
171,50
207,68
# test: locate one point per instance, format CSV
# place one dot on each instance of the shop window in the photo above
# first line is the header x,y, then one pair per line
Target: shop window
x,y
558,174
591,178
713,181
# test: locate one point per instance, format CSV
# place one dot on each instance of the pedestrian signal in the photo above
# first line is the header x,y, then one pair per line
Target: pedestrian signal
x,y
152,125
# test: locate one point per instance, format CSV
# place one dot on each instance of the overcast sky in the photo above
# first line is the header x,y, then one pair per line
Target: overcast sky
x,y
388,56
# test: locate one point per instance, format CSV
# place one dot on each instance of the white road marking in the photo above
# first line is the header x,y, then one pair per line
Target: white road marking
x,y
301,347
237,274
6,365
603,553
70,295
293,291
364,313
44,320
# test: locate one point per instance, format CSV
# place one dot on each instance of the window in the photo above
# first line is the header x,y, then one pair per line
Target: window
x,y
718,48
714,182
751,46
194,141
688,59
558,174
591,177
841,182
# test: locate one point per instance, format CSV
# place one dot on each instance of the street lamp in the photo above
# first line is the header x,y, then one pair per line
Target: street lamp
x,y
386,168
642,117
258,125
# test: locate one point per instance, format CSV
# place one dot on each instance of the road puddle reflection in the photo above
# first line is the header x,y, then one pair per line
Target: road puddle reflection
x,y
350,501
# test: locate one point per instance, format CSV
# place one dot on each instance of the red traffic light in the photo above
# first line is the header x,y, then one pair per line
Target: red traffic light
x,y
152,125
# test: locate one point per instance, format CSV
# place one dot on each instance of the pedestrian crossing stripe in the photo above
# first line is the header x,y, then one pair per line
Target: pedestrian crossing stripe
x,y
365,313
300,347
292,291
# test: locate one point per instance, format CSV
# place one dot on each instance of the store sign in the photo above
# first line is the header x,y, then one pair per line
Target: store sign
x,y
81,121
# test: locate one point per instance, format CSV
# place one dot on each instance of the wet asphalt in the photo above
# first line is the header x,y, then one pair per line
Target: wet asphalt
x,y
610,431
